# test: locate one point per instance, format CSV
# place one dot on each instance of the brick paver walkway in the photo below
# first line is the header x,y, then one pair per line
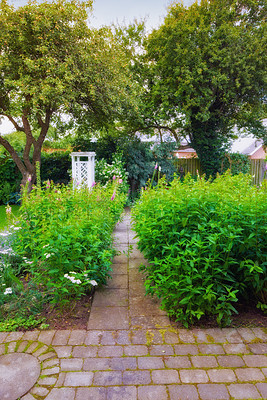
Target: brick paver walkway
x,y
130,350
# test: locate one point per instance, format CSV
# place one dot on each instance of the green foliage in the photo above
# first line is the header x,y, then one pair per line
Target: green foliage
x,y
206,243
19,323
68,232
207,69
60,249
237,163
55,166
138,158
52,64
4,222
9,178
141,159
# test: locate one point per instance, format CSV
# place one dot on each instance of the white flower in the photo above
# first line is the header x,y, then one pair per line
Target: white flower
x,y
47,255
72,279
28,262
93,282
6,251
5,233
8,290
46,245
17,228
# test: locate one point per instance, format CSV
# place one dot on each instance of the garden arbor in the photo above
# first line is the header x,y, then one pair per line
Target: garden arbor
x,y
83,169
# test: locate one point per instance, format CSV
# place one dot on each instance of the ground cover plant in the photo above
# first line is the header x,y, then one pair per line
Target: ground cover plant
x,y
206,242
58,251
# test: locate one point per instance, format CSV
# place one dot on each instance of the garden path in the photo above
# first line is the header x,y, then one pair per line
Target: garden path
x,y
130,351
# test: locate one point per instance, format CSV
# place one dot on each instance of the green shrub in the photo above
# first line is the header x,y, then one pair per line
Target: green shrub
x,y
105,173
55,166
237,163
206,242
65,240
10,178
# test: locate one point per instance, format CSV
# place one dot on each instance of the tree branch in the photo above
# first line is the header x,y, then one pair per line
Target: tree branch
x,y
16,125
13,154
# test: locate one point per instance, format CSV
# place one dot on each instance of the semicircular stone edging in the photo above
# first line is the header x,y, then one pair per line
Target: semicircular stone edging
x,y
47,359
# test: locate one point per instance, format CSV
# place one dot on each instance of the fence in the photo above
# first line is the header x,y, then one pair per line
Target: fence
x,y
185,165
192,165
257,171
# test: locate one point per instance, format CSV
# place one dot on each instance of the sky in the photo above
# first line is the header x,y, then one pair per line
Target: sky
x,y
106,12
109,11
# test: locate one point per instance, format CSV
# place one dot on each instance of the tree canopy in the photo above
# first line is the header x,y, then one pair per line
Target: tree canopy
x,y
208,72
52,63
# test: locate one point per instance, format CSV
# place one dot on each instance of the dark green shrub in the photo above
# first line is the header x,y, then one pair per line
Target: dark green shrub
x,y
55,166
237,163
10,178
206,242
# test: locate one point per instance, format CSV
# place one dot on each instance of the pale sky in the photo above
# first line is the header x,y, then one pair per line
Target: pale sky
x,y
109,11
106,12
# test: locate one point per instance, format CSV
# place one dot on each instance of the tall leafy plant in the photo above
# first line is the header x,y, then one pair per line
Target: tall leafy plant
x,y
206,243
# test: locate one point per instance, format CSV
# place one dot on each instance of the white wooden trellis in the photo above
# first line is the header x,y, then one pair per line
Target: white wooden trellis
x,y
83,169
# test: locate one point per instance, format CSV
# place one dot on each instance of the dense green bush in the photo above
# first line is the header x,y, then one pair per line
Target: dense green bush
x,y
141,158
62,244
236,163
206,243
10,178
105,173
56,166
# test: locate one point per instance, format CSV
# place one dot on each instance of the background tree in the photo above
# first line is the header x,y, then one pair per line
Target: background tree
x,y
52,63
208,73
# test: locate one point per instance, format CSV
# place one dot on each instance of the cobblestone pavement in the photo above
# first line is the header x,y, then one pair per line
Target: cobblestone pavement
x,y
130,350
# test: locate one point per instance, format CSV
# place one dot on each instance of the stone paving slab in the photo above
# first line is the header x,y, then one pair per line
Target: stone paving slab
x,y
130,351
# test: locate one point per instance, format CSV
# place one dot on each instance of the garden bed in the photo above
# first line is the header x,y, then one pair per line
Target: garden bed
x,y
75,316
57,252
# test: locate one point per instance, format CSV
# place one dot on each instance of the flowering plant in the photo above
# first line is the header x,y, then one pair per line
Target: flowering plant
x,y
66,238
105,172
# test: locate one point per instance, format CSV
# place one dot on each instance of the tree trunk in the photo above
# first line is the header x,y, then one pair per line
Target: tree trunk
x,y
25,165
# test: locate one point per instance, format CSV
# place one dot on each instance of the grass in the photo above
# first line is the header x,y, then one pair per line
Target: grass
x,y
3,219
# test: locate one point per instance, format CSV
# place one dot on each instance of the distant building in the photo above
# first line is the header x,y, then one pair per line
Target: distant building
x,y
249,145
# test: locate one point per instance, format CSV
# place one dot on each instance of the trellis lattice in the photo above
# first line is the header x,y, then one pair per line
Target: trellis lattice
x,y
83,169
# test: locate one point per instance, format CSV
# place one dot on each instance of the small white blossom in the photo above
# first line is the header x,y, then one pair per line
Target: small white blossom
x,y
16,228
93,282
6,251
47,255
72,279
8,290
46,245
